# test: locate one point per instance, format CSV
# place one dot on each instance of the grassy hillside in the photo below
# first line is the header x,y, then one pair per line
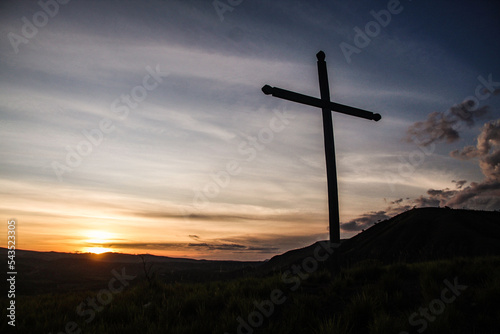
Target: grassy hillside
x,y
424,234
367,298
427,234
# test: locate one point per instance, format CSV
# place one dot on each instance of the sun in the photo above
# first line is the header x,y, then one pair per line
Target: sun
x,y
98,250
96,239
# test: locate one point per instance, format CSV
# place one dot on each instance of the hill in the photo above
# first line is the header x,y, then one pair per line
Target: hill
x,y
427,234
416,235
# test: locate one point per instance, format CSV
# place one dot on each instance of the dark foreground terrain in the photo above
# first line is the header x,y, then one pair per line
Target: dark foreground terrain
x,y
424,271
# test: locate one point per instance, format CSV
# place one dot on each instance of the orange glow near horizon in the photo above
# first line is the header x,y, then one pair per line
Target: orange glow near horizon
x,y
98,250
89,223
97,238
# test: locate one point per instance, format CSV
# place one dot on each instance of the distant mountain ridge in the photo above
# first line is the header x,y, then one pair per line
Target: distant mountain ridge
x,y
40,272
415,235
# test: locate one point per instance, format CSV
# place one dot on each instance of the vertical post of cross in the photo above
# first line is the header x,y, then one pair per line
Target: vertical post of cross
x,y
331,169
327,107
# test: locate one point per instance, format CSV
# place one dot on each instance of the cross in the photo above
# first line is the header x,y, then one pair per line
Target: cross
x,y
327,107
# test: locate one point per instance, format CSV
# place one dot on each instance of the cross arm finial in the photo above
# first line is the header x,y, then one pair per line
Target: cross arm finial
x,y
320,56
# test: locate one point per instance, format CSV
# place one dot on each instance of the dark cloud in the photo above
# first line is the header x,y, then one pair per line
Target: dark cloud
x,y
495,92
468,152
222,217
433,129
483,195
459,183
202,246
489,137
144,245
442,126
435,198
490,165
243,244
207,246
476,194
365,221
442,194
368,219
426,202
398,201
487,150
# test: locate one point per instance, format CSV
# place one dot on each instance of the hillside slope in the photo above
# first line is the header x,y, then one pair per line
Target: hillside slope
x,y
415,235
427,234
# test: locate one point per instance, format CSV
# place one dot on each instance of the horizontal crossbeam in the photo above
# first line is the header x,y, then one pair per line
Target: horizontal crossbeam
x,y
315,102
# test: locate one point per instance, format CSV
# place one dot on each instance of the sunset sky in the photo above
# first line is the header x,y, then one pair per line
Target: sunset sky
x,y
141,127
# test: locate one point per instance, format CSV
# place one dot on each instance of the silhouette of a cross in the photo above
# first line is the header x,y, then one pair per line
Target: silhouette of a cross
x,y
327,107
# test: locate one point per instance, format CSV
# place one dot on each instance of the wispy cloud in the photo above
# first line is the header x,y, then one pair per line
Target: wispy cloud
x,y
443,126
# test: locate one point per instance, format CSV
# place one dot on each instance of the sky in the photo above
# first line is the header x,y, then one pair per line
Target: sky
x,y
141,127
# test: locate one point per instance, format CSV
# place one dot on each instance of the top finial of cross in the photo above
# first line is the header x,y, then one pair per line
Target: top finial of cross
x,y
321,56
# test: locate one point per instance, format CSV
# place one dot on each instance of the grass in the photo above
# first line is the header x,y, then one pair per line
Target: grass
x,y
368,298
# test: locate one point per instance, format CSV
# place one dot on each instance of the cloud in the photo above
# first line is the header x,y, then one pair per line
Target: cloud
x,y
243,214
490,165
442,126
368,219
468,152
487,149
459,183
203,246
478,195
426,202
496,91
484,195
241,244
398,201
441,194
